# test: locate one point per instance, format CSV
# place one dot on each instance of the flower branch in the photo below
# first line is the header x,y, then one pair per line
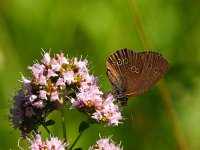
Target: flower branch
x,y
53,83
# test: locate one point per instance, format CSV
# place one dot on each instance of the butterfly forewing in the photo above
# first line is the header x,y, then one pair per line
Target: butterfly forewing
x,y
113,76
116,68
135,72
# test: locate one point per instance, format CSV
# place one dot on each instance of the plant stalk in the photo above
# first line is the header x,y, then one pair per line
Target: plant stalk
x,y
78,137
63,120
45,127
163,89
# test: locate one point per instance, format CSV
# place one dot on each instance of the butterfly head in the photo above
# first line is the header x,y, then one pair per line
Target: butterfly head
x,y
119,95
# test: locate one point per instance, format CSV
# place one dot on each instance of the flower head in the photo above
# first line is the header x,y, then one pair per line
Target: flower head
x,y
101,107
53,144
53,81
105,144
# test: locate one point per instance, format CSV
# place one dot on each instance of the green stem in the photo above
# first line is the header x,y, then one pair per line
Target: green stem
x,y
63,122
163,89
48,131
178,134
139,25
78,137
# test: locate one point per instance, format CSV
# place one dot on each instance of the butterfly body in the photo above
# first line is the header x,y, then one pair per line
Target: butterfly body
x,y
132,73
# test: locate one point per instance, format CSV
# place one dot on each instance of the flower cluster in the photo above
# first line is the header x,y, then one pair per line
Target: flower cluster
x,y
53,81
105,144
53,144
100,106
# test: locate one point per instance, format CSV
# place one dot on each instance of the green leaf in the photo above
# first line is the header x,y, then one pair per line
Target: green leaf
x,y
50,122
91,120
83,125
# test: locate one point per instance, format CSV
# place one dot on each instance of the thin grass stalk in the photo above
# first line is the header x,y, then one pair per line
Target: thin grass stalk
x,y
162,87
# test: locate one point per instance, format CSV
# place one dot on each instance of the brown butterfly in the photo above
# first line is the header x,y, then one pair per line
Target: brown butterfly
x,y
132,73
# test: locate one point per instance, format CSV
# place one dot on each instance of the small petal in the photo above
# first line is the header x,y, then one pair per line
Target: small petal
x,y
68,77
51,73
37,70
46,59
60,82
54,96
105,144
55,65
26,84
64,60
38,104
43,94
42,80
32,98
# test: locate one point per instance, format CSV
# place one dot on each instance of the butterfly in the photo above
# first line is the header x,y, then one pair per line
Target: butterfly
x,y
132,73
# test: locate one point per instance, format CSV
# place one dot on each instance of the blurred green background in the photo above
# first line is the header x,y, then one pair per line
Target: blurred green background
x,y
96,29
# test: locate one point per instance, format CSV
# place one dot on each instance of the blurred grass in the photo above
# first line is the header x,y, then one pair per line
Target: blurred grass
x,y
98,28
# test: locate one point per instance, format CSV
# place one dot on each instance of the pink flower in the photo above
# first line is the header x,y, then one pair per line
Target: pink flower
x,y
26,84
55,65
89,95
46,59
105,144
43,94
54,96
82,65
32,98
60,82
97,115
53,144
36,143
42,80
114,118
51,73
37,70
91,79
39,104
58,77
64,60
110,110
68,77
75,104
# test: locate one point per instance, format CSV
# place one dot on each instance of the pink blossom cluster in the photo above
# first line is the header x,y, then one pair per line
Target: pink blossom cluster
x,y
54,76
105,144
92,101
52,82
53,144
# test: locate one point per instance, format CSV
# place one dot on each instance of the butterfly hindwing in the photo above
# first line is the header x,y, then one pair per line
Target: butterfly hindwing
x,y
152,69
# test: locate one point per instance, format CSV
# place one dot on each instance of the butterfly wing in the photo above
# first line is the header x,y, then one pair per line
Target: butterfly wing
x,y
151,68
114,72
135,72
117,65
